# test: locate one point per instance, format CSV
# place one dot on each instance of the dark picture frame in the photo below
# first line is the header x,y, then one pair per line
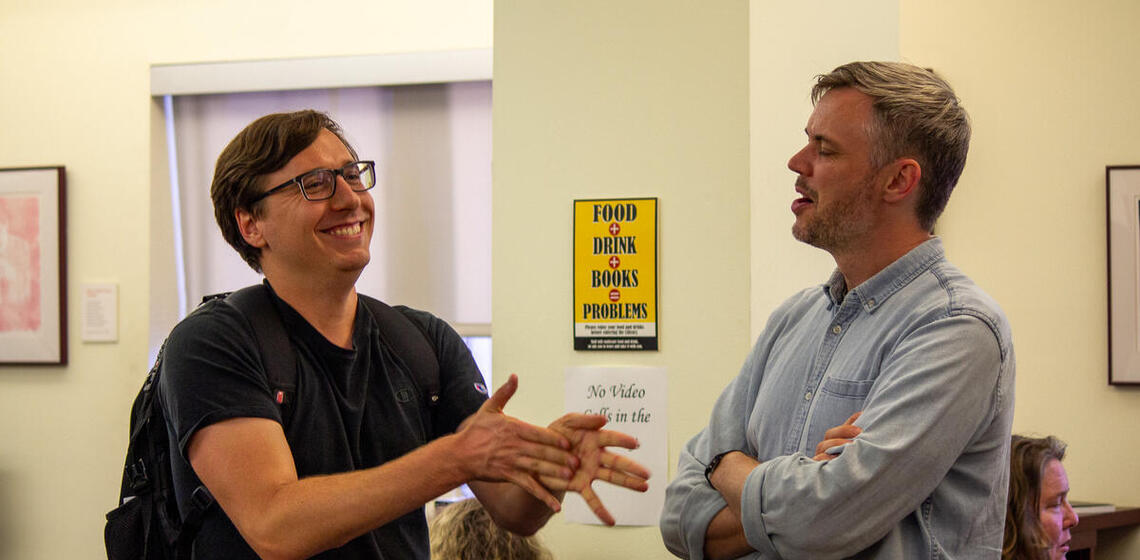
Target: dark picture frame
x,y
1122,206
33,266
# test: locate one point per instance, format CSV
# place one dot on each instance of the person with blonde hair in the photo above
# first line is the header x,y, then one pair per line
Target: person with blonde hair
x,y
464,531
1038,516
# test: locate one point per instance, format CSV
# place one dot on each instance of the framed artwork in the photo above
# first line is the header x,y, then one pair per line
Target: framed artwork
x,y
33,302
1123,207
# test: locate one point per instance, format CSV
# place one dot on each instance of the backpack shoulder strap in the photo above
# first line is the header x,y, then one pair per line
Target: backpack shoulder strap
x,y
408,339
256,303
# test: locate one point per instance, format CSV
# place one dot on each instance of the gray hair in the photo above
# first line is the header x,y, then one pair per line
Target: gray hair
x,y
917,114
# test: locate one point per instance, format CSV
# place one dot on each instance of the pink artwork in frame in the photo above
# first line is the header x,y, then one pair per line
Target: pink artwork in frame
x,y
33,267
20,264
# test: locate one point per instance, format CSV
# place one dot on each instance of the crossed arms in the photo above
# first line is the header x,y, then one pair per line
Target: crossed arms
x,y
933,395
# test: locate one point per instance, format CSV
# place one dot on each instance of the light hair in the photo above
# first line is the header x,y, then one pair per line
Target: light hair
x,y
1024,536
264,146
464,530
917,115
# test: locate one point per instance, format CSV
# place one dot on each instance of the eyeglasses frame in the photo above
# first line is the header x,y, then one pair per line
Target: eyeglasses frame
x,y
336,173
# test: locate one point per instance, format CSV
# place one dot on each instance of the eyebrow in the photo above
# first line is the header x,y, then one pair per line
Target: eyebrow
x,y
821,138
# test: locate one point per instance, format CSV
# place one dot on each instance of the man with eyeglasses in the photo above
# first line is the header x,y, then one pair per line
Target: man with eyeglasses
x,y
349,473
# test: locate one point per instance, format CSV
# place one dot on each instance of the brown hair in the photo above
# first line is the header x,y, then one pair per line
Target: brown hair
x,y
464,531
917,114
1024,535
261,148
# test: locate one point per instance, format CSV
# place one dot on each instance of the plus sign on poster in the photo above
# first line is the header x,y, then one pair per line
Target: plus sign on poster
x,y
615,274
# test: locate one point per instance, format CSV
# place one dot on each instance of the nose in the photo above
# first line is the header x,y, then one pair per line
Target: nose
x,y
344,198
1071,517
799,162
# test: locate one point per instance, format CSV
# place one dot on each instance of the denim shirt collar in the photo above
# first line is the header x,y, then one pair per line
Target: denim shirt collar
x,y
878,288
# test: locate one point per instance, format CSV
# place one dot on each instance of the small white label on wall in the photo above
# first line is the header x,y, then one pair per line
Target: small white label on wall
x,y
100,313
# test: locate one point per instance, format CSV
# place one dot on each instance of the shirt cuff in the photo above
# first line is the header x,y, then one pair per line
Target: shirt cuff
x,y
752,511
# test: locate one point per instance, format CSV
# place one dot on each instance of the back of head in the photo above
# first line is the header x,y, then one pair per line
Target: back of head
x,y
262,147
917,115
464,531
1024,535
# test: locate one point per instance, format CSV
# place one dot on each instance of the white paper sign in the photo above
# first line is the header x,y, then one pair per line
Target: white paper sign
x,y
100,312
635,399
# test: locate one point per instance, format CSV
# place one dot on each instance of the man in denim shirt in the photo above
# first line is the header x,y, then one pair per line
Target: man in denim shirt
x,y
872,418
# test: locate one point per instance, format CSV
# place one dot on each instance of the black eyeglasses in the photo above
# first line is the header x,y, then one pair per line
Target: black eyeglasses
x,y
320,184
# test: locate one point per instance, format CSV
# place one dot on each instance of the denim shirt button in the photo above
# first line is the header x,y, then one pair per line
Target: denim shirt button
x,y
837,329
807,396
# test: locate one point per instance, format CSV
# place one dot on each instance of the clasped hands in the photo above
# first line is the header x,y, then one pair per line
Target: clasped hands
x,y
570,454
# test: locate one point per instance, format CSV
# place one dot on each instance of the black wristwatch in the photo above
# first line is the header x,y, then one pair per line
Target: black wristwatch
x,y
713,465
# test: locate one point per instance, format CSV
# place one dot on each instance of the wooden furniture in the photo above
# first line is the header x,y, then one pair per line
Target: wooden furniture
x,y
1084,535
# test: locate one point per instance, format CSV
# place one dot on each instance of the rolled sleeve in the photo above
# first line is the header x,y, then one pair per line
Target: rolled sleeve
x,y
683,527
690,503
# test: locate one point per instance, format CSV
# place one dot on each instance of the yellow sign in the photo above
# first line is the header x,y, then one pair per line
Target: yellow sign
x,y
615,274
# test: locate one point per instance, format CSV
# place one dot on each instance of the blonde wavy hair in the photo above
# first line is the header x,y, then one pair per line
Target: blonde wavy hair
x,y
464,531
1024,536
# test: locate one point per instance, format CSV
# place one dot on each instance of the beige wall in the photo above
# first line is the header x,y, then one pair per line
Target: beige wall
x,y
595,99
603,99
75,92
785,57
1051,87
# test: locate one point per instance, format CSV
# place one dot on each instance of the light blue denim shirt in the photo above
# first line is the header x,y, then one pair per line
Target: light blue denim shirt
x,y
928,358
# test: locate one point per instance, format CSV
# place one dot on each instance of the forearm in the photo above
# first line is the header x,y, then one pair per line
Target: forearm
x,y
314,514
725,537
730,476
512,507
695,521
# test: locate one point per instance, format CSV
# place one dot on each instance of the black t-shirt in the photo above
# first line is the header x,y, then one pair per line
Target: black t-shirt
x,y
351,410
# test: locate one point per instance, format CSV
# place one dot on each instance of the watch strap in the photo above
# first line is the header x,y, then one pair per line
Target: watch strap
x,y
713,464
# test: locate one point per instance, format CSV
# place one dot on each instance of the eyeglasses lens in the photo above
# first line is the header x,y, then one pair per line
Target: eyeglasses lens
x,y
321,183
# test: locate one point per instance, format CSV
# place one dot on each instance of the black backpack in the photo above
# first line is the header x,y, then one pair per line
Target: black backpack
x,y
147,524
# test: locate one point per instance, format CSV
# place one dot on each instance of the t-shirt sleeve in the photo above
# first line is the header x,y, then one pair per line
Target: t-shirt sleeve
x,y
212,371
462,388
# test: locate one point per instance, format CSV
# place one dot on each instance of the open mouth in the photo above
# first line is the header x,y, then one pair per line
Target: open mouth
x,y
346,230
806,199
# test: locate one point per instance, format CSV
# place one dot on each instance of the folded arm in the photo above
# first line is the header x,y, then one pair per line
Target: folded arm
x,y
695,522
725,535
933,394
931,397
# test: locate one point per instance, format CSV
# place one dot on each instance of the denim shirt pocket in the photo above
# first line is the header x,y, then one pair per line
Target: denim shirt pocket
x,y
836,401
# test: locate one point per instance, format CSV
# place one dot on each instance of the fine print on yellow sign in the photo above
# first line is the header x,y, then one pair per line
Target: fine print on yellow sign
x,y
615,274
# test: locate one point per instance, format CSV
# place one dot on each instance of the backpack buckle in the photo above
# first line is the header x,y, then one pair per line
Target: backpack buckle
x,y
200,500
137,475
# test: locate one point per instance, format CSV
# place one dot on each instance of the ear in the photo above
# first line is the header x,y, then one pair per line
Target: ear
x,y
249,227
903,182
